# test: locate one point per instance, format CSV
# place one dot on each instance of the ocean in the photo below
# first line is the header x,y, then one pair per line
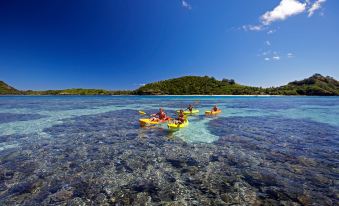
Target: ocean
x,y
91,150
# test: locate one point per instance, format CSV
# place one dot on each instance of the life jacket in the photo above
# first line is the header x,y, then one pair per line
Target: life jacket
x,y
162,115
181,117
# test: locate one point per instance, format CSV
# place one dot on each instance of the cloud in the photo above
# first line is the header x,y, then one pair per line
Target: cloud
x,y
285,9
253,27
273,55
266,53
268,43
276,58
186,5
271,31
315,6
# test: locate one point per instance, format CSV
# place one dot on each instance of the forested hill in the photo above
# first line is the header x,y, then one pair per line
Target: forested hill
x,y
196,85
78,91
6,89
314,85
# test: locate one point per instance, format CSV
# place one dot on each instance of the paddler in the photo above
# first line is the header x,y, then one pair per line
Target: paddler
x,y
160,116
181,117
190,108
215,108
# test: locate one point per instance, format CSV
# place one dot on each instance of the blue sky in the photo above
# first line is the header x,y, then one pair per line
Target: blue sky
x,y
121,44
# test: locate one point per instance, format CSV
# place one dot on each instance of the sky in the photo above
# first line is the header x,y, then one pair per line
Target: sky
x,y
122,44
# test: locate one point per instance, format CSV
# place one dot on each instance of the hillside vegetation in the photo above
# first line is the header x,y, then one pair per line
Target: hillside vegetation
x,y
78,92
314,85
6,89
195,85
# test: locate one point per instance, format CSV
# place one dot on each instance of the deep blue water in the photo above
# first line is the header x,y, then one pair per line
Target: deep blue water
x,y
75,150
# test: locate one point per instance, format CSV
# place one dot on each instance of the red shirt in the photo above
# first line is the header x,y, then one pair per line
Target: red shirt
x,y
161,115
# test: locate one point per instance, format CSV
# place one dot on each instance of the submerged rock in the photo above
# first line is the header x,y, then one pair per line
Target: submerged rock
x,y
104,160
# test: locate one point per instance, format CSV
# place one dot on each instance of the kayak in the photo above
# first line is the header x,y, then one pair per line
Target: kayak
x,y
150,122
213,113
194,111
177,126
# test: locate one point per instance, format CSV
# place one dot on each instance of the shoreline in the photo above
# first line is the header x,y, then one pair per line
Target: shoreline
x,y
185,95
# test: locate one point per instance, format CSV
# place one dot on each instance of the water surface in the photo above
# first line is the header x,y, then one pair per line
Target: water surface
x,y
78,150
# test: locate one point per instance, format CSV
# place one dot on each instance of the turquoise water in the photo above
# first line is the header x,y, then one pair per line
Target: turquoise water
x,y
91,150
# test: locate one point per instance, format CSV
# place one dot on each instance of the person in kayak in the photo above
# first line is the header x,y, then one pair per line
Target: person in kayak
x,y
215,108
181,117
190,107
160,116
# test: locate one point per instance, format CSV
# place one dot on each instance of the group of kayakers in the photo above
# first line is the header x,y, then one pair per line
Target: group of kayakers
x,y
161,116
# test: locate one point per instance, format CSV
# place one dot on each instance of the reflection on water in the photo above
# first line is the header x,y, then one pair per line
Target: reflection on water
x,y
92,151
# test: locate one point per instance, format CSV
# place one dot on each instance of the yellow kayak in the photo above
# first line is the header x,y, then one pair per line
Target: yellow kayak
x,y
194,111
177,126
144,122
213,113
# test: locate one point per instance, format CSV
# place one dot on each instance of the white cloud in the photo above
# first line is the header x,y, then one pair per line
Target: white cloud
x,y
285,9
253,27
186,5
276,57
271,31
266,53
315,6
268,43
273,55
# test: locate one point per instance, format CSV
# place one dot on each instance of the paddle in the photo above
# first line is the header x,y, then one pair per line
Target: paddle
x,y
142,112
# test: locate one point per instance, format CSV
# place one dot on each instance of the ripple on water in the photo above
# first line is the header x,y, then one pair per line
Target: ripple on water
x,y
9,117
283,156
97,154
103,159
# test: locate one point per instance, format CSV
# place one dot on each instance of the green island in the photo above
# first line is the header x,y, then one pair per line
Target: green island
x,y
316,85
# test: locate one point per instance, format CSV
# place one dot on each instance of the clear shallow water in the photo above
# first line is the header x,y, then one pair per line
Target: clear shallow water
x,y
91,150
